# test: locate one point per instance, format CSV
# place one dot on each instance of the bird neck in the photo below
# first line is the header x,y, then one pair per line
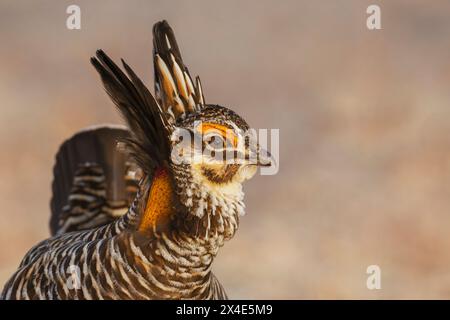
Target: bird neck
x,y
181,227
211,211
159,206
180,204
174,266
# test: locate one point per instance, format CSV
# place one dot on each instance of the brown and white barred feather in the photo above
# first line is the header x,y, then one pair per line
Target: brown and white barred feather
x,y
88,206
94,182
129,258
174,88
113,262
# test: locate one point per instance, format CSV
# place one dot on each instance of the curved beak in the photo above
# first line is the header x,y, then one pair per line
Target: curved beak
x,y
261,157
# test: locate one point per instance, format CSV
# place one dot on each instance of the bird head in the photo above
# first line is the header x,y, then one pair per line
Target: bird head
x,y
213,152
218,147
207,151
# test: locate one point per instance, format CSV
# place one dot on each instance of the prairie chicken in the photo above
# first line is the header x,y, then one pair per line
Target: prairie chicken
x,y
137,224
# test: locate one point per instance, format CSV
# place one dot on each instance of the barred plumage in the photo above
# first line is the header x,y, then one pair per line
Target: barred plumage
x,y
92,185
164,245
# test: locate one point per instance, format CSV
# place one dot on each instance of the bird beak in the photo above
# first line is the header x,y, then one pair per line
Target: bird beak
x,y
261,157
265,158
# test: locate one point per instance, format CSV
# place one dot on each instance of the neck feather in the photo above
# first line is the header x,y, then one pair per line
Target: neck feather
x,y
183,208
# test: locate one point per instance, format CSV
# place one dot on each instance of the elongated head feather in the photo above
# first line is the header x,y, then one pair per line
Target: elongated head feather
x,y
150,129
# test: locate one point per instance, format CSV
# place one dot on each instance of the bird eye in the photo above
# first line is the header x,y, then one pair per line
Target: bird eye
x,y
214,141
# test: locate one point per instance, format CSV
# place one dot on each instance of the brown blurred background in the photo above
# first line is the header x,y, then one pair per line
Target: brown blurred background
x,y
364,120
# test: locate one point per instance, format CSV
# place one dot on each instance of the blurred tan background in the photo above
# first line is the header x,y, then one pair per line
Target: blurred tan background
x,y
364,118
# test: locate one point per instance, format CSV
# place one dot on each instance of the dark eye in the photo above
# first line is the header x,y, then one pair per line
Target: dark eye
x,y
214,141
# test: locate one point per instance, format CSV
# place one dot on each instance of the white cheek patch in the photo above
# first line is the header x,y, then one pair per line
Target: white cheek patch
x,y
246,172
228,197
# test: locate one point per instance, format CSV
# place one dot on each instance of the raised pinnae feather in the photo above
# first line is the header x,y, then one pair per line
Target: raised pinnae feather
x,y
181,84
149,126
156,110
173,84
167,88
189,84
199,91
